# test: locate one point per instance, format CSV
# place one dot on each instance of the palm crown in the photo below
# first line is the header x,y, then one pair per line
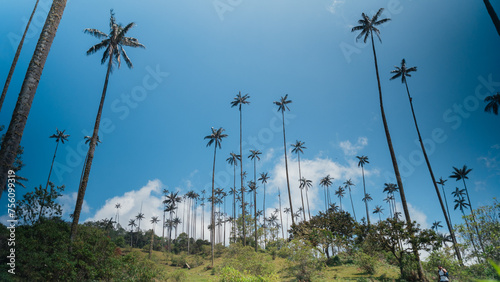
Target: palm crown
x,y
216,137
493,103
283,103
402,71
368,26
298,146
240,100
60,136
114,42
362,161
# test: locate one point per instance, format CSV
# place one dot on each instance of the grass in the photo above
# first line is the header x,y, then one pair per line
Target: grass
x,y
346,272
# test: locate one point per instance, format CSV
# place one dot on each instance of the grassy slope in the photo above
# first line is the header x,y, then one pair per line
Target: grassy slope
x,y
339,273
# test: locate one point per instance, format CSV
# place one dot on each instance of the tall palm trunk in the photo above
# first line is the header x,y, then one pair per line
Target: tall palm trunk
x,y
234,203
493,15
264,210
301,190
255,199
212,219
450,227
364,188
473,216
281,216
48,179
152,242
21,112
90,156
242,187
396,170
352,204
16,57
286,168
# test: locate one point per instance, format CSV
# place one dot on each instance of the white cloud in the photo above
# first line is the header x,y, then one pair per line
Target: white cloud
x,y
67,202
334,5
350,149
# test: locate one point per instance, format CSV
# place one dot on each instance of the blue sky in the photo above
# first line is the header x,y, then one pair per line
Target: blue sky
x,y
199,55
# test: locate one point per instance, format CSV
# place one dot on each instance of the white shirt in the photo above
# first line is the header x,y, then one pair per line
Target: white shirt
x,y
442,276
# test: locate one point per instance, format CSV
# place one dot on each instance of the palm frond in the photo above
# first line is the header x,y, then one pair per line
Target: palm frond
x,y
96,33
126,58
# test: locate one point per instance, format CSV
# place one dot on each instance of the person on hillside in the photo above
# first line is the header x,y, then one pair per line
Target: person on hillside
x,y
442,274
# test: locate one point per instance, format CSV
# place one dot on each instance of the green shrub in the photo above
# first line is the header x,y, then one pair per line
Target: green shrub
x,y
177,275
333,261
246,260
179,260
366,262
229,274
305,262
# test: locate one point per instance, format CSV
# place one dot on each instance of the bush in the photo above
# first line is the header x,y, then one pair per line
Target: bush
x,y
229,274
334,261
246,260
305,262
366,262
177,275
179,260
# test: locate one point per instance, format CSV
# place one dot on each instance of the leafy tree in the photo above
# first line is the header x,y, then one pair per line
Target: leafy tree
x,y
14,134
39,204
368,27
113,44
216,139
240,100
282,106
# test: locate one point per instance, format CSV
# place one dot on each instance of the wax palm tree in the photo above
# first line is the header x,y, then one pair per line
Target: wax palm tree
x,y
493,15
348,183
254,155
139,217
132,224
263,179
203,192
164,202
326,182
388,200
436,225
368,27
340,193
154,221
118,206
298,147
404,72
333,208
378,210
14,134
216,139
60,137
493,103
390,189
252,186
113,44
233,160
363,160
240,100
461,174
282,106
16,57
287,211
281,215
442,182
306,183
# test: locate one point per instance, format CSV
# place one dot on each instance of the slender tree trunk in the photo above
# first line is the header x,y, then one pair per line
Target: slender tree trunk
x,y
152,242
352,204
281,215
396,171
255,200
21,112
90,157
48,179
366,202
493,15
473,217
264,211
286,167
242,187
301,190
234,203
213,204
450,228
16,57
